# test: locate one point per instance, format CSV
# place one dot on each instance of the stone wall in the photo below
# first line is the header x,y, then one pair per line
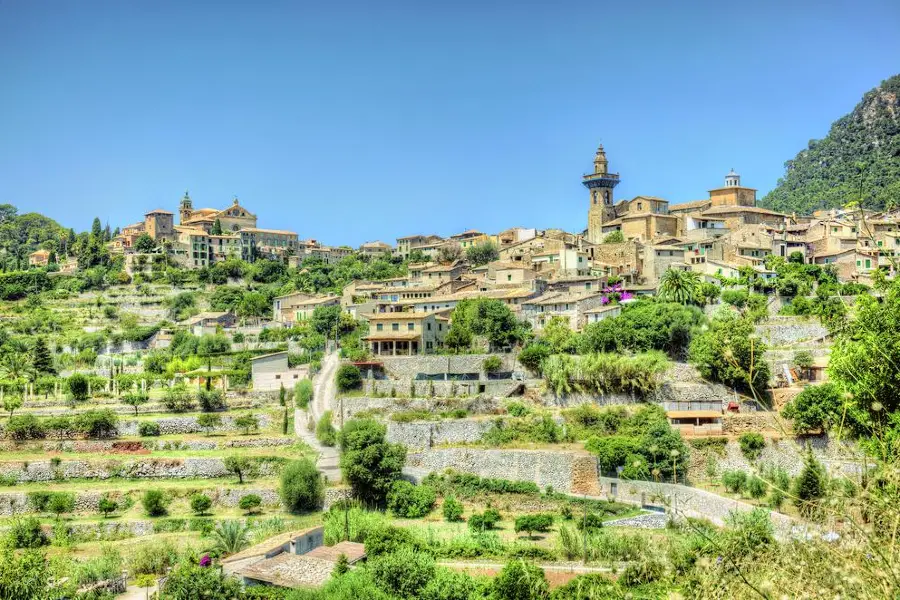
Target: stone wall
x,y
138,468
738,423
419,435
138,447
838,457
568,472
786,331
408,367
333,495
388,406
683,501
441,389
184,425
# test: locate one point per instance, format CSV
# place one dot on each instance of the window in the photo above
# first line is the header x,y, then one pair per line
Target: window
x,y
640,205
379,327
509,277
440,326
278,377
868,263
834,230
395,326
428,325
410,326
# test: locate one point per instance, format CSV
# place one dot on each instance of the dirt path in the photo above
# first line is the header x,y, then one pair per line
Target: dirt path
x,y
324,392
137,593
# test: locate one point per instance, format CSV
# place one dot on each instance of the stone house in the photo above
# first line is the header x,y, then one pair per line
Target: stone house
x,y
375,249
427,244
207,323
39,258
392,333
658,259
267,243
565,262
570,306
470,238
271,371
298,307
595,315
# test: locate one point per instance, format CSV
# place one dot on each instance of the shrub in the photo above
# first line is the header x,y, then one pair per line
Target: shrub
x,y
192,581
325,431
520,580
152,558
148,429
250,503
78,387
25,427
135,400
484,521
452,509
756,488
734,481
301,486
26,532
107,505
647,570
736,298
517,409
61,502
247,423
810,485
154,503
303,393
209,421
530,523
605,373
200,504
532,356
178,399
817,407
410,501
803,359
590,522
348,378
211,400
388,540
752,444
492,364
96,423
403,573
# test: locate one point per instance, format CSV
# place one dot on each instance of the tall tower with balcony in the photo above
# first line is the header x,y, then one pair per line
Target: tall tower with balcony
x,y
185,209
600,185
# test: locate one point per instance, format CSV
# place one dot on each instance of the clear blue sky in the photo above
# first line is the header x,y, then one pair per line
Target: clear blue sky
x,y
349,122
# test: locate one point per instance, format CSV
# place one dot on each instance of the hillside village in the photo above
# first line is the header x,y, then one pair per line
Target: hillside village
x,y
650,406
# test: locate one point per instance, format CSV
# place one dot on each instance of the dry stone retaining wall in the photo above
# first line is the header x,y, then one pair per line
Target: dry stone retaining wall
x,y
149,468
407,367
389,406
569,472
421,435
441,389
786,331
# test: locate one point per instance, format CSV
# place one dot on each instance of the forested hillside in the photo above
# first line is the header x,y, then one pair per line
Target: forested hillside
x,y
859,159
23,234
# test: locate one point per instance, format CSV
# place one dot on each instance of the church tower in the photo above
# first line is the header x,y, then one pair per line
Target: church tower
x,y
600,185
186,209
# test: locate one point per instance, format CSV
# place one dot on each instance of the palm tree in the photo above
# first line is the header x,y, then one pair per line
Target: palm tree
x,y
679,286
16,366
230,537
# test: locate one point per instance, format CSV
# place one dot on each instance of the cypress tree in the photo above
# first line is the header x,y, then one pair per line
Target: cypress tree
x,y
41,358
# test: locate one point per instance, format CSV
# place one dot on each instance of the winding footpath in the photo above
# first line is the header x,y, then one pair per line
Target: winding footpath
x,y
324,393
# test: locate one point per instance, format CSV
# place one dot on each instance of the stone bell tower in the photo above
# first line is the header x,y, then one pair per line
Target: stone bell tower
x,y
600,185
186,209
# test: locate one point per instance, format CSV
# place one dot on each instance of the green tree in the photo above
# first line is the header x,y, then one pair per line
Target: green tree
x,y
614,237
240,465
680,286
250,503
107,505
61,503
731,352
12,403
810,486
491,319
41,359
481,254
532,356
532,523
458,338
817,407
217,227
325,432
303,393
247,423
452,509
369,463
135,400
188,581
155,503
254,304
209,421
144,243
301,486
230,537
348,378
200,504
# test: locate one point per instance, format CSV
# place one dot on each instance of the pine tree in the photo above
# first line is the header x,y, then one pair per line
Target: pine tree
x,y
41,358
107,233
96,228
811,485
217,227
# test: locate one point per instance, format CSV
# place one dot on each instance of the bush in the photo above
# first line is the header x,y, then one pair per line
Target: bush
x,y
301,486
756,487
25,427
96,423
752,445
325,431
348,378
647,570
247,423
61,502
388,540
590,522
152,558
817,407
200,504
491,364
78,387
452,509
250,503
148,429
736,298
520,580
154,503
178,399
209,421
541,522
26,532
532,356
410,501
484,521
240,465
517,409
107,505
734,481
303,393
403,573
211,400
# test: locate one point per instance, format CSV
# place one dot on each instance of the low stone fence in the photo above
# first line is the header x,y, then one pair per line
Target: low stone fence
x,y
56,407
333,495
143,446
738,423
422,435
408,367
419,388
683,501
786,331
140,468
388,406
564,471
184,425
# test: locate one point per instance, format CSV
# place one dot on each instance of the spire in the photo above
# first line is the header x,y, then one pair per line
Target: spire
x,y
600,162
